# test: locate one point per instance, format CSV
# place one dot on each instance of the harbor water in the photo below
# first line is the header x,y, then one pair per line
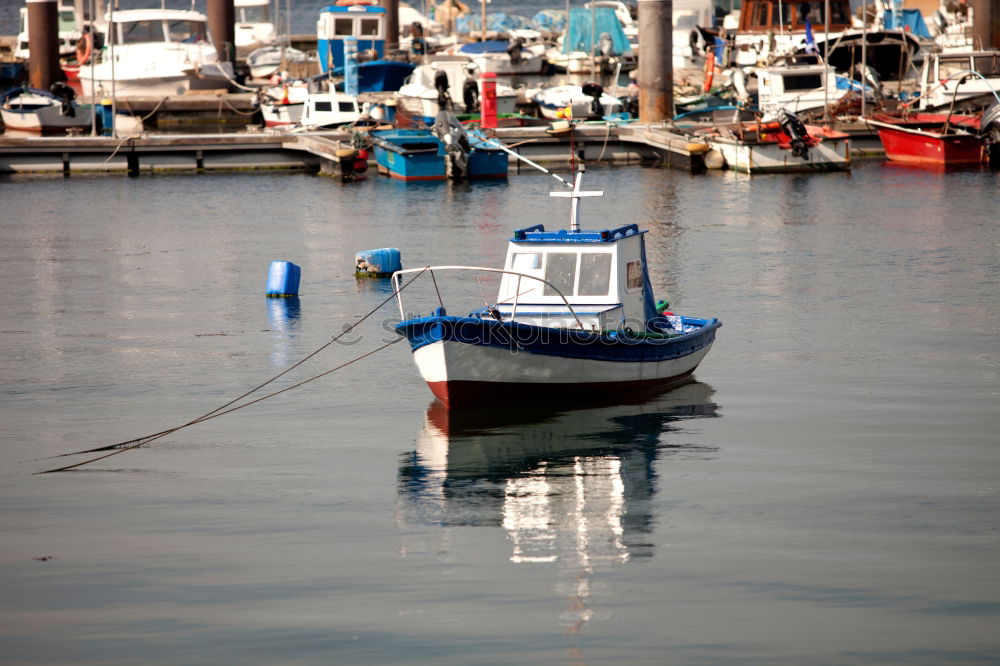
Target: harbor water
x,y
827,491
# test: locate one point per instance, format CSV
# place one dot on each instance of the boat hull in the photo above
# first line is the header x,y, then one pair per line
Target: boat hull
x,y
924,149
832,154
468,362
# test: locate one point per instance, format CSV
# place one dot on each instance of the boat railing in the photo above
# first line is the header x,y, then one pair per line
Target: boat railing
x,y
398,285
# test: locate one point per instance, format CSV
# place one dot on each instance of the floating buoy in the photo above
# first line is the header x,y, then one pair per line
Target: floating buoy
x,y
283,280
381,263
714,160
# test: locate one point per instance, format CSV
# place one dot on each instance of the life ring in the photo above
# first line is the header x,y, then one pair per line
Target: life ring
x,y
84,48
709,70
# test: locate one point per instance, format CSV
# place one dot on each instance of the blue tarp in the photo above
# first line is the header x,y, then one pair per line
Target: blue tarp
x,y
489,46
553,20
911,21
499,22
578,36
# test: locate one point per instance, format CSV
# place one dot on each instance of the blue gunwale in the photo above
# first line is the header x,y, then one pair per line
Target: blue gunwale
x,y
560,342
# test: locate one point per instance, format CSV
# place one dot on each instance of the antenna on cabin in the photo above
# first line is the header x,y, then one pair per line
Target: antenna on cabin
x,y
575,195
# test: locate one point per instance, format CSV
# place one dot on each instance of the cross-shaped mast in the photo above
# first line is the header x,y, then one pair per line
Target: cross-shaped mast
x,y
575,195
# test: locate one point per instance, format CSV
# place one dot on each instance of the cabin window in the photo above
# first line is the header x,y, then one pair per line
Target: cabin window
x,y
139,32
369,28
253,14
560,272
595,274
323,106
186,31
785,17
343,27
950,67
347,107
633,274
988,66
526,261
802,82
67,21
759,16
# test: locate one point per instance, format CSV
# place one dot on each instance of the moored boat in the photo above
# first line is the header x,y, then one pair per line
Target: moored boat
x,y
938,140
34,110
575,315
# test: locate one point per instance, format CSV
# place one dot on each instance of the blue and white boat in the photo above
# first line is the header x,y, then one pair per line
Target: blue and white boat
x,y
364,25
575,317
447,151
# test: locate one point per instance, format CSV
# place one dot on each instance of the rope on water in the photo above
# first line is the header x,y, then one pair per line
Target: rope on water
x,y
218,411
212,415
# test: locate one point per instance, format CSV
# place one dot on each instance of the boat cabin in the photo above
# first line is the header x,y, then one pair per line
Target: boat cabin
x,y
145,26
602,274
778,16
365,23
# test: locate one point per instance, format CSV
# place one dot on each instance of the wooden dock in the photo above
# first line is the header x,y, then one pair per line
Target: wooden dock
x,y
317,151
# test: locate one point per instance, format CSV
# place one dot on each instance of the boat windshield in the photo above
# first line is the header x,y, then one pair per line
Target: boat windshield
x,y
253,14
139,32
191,32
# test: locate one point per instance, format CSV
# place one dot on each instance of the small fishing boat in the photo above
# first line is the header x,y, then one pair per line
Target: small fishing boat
x,y
938,140
267,60
447,151
523,53
448,83
34,110
329,109
786,145
358,27
582,102
574,316
281,106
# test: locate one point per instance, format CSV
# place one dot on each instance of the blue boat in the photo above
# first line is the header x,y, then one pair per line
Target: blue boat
x,y
446,151
574,318
365,24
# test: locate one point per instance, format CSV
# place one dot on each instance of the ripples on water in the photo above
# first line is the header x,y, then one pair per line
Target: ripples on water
x,y
826,491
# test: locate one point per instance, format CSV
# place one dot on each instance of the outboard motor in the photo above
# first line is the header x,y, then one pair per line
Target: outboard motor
x,y
795,129
441,85
606,45
418,45
470,95
595,90
989,130
456,143
514,50
67,95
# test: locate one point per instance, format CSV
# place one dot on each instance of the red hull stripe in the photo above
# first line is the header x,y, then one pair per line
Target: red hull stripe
x,y
470,394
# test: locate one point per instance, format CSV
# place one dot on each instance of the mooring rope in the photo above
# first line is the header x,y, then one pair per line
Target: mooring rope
x,y
218,411
211,415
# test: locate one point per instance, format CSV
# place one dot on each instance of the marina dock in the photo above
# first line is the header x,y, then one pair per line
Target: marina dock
x,y
316,151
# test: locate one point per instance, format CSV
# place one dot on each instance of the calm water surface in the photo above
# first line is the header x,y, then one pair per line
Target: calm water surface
x,y
826,492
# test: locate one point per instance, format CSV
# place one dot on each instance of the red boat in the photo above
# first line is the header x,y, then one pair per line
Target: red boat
x,y
931,139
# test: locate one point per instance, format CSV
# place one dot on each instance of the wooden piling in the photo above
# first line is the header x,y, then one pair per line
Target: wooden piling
x,y
43,42
222,25
656,65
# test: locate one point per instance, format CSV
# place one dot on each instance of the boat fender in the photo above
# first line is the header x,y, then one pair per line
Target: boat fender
x,y
698,148
715,160
709,70
84,46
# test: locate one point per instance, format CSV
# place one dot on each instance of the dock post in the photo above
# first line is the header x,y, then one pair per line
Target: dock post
x,y
43,43
222,24
656,64
391,25
987,28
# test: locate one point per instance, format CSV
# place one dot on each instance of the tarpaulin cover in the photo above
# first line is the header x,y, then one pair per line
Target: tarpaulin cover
x,y
911,21
578,36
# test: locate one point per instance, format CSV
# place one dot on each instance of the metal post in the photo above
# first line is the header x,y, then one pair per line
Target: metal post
x,y
482,26
43,43
864,54
826,60
656,64
113,36
93,60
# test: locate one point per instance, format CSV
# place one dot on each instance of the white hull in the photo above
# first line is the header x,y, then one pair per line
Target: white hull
x,y
210,77
426,105
279,115
459,362
500,63
829,155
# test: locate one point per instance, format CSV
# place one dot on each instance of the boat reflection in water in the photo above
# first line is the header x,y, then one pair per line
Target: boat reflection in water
x,y
284,316
571,488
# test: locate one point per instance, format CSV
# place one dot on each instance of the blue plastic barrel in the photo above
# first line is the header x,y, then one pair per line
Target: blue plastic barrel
x,y
283,279
377,263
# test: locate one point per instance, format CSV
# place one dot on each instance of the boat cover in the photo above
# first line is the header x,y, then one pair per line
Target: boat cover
x,y
909,20
578,36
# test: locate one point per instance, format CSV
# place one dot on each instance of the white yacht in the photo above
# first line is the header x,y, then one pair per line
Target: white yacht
x,y
156,52
254,27
441,85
